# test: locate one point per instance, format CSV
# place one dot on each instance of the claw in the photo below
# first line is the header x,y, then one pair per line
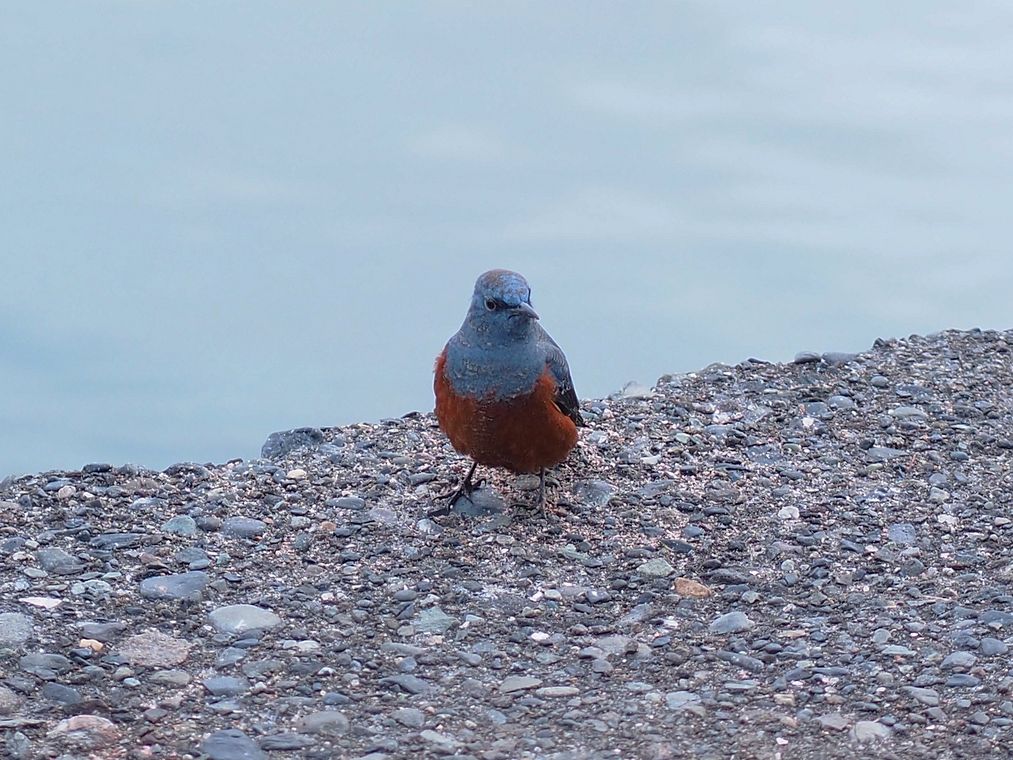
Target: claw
x,y
465,489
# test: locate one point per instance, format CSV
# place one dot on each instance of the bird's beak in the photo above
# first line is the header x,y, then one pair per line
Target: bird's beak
x,y
526,310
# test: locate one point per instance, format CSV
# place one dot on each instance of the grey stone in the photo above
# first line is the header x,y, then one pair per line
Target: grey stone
x,y
45,665
870,730
883,454
732,622
183,586
226,686
656,568
239,618
64,695
55,560
231,744
180,525
433,620
243,527
518,683
284,442
409,716
678,700
926,696
329,722
15,629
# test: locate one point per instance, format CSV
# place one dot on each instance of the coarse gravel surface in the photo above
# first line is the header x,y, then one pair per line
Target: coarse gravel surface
x,y
803,560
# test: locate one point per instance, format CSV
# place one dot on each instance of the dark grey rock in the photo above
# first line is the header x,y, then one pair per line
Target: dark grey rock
x,y
239,618
243,527
285,442
226,686
183,586
15,629
55,560
731,622
60,694
45,665
329,722
231,744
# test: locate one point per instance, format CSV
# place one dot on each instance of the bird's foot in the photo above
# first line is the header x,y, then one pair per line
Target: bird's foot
x,y
465,489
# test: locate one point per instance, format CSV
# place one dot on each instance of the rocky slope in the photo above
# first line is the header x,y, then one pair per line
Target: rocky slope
x,y
800,561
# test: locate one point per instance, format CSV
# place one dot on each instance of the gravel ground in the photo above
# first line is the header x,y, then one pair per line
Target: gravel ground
x,y
768,560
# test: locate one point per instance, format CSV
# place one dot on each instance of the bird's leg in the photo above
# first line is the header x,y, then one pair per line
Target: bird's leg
x,y
541,487
465,489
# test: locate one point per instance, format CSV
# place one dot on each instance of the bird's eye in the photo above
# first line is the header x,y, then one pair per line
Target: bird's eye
x,y
490,304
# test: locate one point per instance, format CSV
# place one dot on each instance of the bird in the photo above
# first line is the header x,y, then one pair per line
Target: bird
x,y
504,395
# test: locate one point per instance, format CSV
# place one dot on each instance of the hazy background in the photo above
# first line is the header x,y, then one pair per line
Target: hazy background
x,y
223,219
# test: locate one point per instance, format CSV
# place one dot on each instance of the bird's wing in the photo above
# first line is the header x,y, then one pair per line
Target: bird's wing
x,y
566,396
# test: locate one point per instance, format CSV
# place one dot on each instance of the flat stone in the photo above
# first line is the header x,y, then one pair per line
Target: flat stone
x,y
329,722
692,589
433,620
959,659
231,744
239,618
55,560
15,629
806,357
180,525
60,694
833,721
657,567
870,730
410,717
153,649
243,527
732,622
441,741
91,731
680,700
283,442
179,587
991,647
172,678
518,683
226,686
45,665
556,692
928,697
286,742
901,533
883,453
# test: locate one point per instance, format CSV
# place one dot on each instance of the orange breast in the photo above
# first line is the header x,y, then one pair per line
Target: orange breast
x,y
522,434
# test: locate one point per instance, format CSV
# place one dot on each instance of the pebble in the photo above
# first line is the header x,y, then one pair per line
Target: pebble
x,y
180,525
433,620
678,700
330,722
518,683
243,527
656,568
240,618
91,731
410,717
870,730
732,622
15,630
231,744
56,561
183,586
153,649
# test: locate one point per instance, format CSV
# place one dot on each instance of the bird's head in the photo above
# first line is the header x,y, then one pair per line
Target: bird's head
x,y
501,304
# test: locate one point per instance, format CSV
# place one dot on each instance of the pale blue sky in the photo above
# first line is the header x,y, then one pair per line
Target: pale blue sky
x,y
224,219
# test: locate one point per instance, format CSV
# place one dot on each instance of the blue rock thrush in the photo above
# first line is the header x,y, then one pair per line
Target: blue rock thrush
x,y
503,390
